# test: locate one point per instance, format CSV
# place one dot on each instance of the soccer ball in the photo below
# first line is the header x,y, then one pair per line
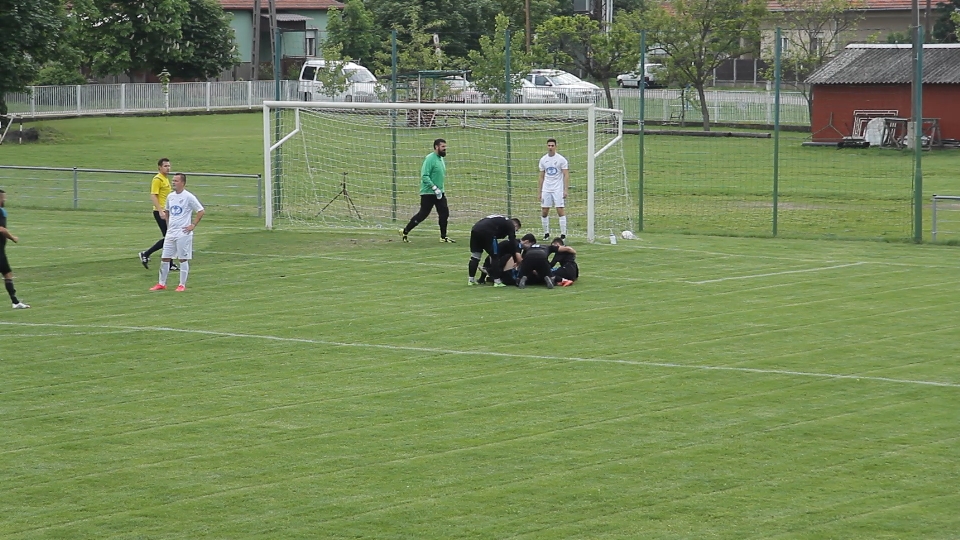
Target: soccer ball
x,y
627,235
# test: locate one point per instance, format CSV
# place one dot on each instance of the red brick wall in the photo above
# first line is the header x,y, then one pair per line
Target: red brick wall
x,y
939,101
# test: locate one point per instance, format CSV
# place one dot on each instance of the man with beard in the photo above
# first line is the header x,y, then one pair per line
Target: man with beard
x,y
5,269
432,175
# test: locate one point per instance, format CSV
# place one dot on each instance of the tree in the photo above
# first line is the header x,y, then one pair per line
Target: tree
x,y
458,22
489,63
128,37
353,31
814,30
207,46
580,39
948,20
698,35
29,30
417,51
540,11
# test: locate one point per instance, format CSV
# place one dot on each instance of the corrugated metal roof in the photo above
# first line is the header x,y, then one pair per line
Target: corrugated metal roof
x,y
283,4
890,64
288,17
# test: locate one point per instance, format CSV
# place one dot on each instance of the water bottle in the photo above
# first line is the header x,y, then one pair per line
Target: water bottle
x,y
613,238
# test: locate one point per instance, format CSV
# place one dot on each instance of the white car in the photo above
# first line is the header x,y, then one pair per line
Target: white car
x,y
569,88
362,85
529,93
651,76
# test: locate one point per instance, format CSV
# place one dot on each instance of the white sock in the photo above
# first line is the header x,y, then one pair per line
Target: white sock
x,y
563,225
164,272
546,224
184,271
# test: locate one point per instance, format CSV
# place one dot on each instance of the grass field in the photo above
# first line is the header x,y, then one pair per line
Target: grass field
x,y
691,185
345,385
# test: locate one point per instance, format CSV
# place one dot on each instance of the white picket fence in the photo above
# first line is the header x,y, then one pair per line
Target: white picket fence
x,y
727,106
92,99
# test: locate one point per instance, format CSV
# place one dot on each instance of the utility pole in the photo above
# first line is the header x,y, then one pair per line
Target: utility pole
x,y
273,34
255,57
526,11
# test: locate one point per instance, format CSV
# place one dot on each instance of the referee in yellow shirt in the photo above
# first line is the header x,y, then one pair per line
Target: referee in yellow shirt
x,y
159,189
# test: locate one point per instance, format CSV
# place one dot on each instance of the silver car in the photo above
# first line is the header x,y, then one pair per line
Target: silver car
x,y
568,88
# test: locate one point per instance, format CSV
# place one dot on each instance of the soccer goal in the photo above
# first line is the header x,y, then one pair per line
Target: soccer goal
x,y
358,164
945,215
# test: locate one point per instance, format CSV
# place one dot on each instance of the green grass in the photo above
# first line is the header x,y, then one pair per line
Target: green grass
x,y
691,185
346,385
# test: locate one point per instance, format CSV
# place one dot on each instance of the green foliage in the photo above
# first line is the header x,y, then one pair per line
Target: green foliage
x,y
416,51
331,75
459,23
948,20
207,46
540,11
488,64
57,74
354,31
601,54
898,37
129,37
29,30
698,35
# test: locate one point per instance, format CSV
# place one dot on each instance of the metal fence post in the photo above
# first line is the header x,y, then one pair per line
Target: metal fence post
x,y
123,98
78,99
208,95
933,214
249,94
76,190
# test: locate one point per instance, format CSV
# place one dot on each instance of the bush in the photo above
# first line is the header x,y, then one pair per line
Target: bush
x,y
57,74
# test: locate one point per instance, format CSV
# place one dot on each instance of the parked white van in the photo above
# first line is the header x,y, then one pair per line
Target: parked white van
x,y
361,85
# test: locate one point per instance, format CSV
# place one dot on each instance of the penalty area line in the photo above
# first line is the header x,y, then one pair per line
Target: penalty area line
x,y
431,350
753,276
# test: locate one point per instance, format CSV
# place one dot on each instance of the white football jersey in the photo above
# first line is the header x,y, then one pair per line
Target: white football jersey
x,y
553,168
180,209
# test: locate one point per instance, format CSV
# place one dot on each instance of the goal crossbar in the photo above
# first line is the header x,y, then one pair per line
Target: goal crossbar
x,y
276,134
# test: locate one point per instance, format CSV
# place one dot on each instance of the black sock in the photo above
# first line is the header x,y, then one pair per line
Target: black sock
x,y
8,283
472,267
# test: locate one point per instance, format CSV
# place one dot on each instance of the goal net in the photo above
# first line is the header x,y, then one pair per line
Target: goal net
x,y
358,164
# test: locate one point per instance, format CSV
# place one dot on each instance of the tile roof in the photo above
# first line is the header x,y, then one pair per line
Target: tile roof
x,y
283,4
889,64
869,5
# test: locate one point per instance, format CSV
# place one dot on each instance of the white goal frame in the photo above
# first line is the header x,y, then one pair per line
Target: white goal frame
x,y
591,117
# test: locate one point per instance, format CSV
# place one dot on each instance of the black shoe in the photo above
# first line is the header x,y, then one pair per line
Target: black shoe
x,y
546,236
522,284
548,281
144,260
563,237
174,267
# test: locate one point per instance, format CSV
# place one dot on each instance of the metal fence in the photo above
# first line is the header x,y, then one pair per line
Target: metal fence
x,y
111,190
725,106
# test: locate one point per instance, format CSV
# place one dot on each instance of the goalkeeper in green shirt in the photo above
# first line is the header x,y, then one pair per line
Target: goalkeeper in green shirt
x,y
432,174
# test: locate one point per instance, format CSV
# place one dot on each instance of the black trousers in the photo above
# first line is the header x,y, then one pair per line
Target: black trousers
x,y
162,223
427,202
568,271
534,267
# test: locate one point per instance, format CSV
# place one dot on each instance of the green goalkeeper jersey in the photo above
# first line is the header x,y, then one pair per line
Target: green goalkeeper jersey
x,y
432,173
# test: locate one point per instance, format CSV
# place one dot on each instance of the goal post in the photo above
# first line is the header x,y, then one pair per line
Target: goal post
x,y
331,164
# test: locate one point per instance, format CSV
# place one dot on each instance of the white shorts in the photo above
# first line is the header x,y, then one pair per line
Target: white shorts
x,y
180,247
551,198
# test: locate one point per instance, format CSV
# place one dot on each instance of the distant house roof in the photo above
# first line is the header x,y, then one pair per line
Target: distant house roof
x,y
317,5
868,5
889,64
287,17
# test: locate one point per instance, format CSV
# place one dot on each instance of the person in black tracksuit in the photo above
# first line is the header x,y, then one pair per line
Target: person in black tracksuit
x,y
566,257
534,267
506,263
484,237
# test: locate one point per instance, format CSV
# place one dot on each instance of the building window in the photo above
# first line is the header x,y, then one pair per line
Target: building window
x,y
310,46
784,44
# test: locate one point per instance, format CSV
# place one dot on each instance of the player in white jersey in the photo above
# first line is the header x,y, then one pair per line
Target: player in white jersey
x,y
178,242
554,187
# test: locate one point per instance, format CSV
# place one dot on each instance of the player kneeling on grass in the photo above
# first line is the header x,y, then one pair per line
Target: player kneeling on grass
x,y
534,267
484,237
178,242
568,271
506,264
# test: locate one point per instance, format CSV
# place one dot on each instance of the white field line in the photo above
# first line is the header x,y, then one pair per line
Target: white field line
x,y
753,276
431,350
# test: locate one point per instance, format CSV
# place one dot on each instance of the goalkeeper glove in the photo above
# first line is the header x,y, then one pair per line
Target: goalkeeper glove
x,y
437,191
